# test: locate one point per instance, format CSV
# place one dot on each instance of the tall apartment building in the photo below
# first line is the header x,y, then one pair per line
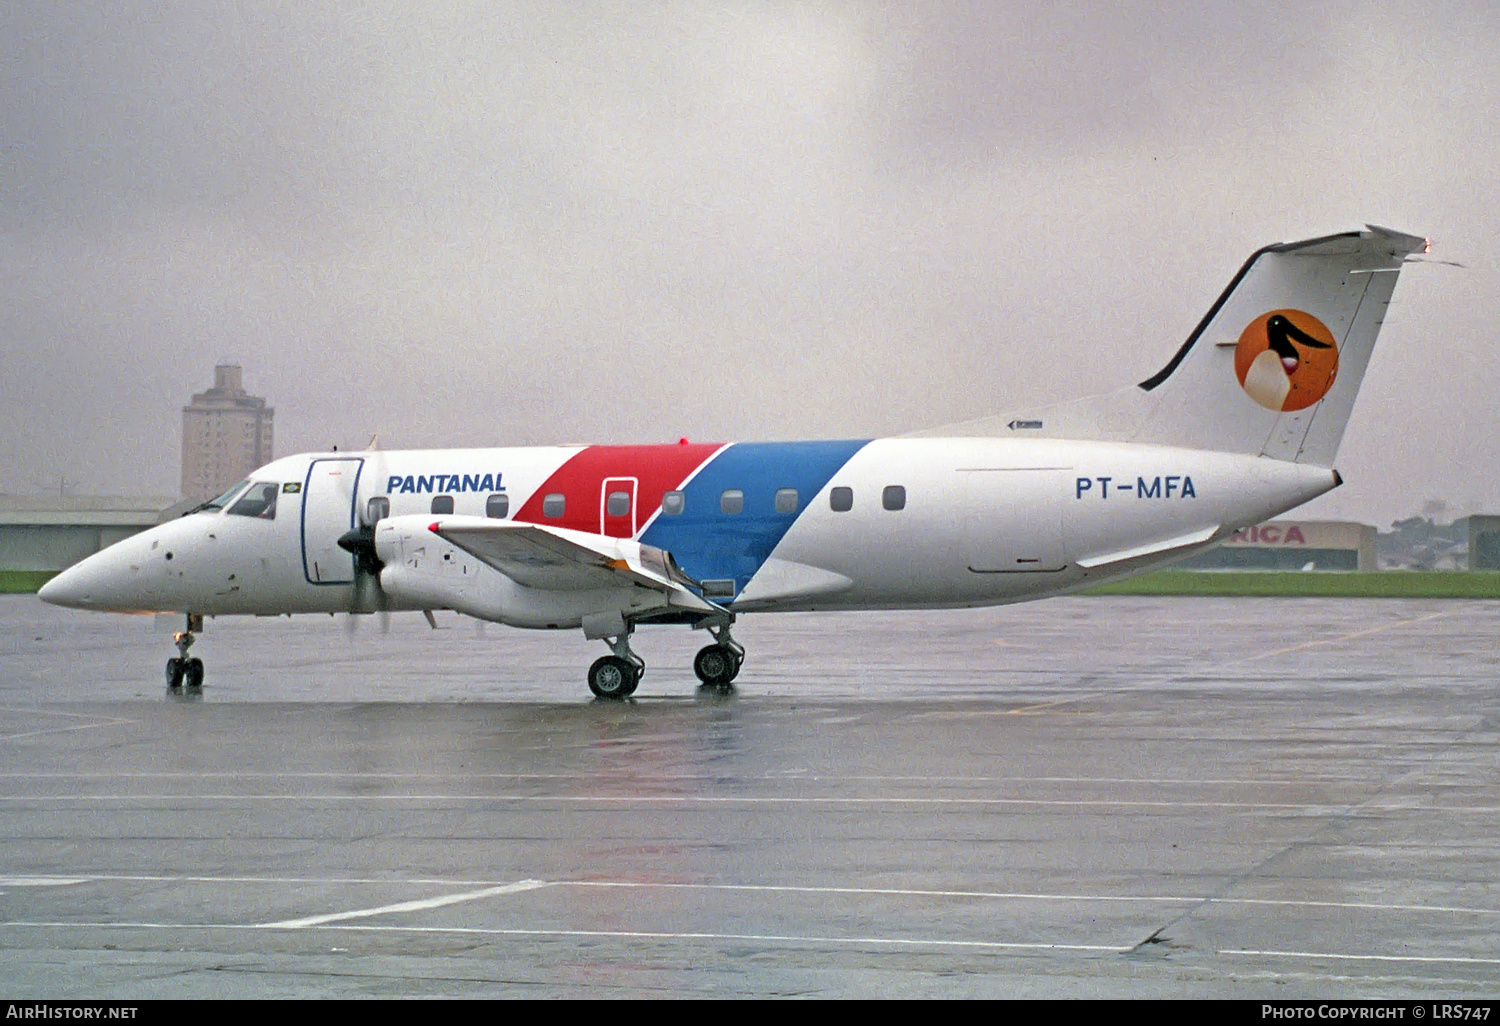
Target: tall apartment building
x,y
226,433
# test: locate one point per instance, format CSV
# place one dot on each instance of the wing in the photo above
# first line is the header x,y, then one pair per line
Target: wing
x,y
558,559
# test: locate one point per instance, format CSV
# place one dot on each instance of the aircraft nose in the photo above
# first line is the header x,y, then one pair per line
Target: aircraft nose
x,y
72,588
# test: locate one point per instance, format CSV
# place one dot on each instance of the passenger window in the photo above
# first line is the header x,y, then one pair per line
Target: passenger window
x,y
259,501
376,510
841,499
497,506
731,501
672,503
894,497
618,504
553,505
786,500
442,504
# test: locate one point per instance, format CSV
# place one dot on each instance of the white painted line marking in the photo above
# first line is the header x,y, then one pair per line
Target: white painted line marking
x,y
1461,959
914,942
97,722
772,778
1156,899
630,799
1159,899
409,906
41,881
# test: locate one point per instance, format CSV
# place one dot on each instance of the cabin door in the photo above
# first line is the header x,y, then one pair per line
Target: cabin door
x,y
329,497
617,505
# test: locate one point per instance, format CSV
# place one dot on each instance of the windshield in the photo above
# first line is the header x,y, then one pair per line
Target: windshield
x,y
259,501
214,505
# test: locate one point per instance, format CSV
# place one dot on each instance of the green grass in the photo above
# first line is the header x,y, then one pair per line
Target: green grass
x,y
1298,584
23,582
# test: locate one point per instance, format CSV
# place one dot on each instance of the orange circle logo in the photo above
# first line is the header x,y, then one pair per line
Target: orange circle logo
x,y
1286,360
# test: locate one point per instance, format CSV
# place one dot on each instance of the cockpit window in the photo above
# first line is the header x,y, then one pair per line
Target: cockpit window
x,y
214,505
259,501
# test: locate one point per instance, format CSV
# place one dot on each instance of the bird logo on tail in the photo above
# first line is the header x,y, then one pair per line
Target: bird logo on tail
x,y
1286,360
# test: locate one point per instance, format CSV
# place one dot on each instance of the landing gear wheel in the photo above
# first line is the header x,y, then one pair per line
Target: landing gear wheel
x,y
613,677
184,669
717,665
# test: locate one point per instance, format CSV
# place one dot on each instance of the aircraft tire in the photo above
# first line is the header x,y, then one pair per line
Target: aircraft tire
x,y
175,671
716,665
193,673
613,677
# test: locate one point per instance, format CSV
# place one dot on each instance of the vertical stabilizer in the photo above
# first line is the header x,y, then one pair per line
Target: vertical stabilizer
x,y
1272,369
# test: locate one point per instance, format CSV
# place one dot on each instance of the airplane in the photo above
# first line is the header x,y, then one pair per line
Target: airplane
x,y
1240,425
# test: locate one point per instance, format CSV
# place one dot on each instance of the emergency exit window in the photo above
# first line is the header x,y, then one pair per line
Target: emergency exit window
x,y
617,504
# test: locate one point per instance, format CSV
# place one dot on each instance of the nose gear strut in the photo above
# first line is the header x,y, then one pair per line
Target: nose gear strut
x,y
183,671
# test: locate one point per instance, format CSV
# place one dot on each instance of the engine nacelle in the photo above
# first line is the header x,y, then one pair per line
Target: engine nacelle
x,y
423,571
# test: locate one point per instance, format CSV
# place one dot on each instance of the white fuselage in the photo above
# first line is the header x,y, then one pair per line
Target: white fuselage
x,y
891,523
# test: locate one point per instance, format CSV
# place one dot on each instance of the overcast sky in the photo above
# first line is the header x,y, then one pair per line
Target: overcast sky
x,y
488,224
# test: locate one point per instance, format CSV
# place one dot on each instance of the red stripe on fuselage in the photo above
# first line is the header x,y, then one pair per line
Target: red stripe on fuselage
x,y
657,468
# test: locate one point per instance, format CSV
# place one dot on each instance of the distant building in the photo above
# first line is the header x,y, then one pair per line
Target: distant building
x,y
52,532
1293,545
1417,543
226,433
1484,543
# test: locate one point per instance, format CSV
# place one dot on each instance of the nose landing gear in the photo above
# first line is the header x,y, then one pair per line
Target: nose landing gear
x,y
183,671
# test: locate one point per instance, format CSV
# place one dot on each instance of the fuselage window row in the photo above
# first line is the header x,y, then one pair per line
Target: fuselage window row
x,y
617,504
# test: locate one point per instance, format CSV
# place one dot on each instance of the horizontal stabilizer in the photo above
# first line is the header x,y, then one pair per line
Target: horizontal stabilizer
x,y
1157,548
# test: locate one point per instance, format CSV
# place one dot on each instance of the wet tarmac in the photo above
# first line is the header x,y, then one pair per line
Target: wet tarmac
x,y
1083,797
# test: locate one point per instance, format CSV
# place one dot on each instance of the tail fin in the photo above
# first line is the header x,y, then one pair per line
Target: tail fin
x,y
1272,369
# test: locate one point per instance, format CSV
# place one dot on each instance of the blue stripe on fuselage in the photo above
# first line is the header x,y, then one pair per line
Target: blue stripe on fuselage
x,y
712,545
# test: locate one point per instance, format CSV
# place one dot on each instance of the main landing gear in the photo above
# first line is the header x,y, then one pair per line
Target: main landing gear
x,y
181,670
718,664
617,675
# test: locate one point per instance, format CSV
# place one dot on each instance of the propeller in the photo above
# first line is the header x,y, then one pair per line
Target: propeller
x,y
360,543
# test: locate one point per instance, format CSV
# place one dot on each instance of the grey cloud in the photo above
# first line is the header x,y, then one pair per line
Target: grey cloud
x,y
472,224
970,81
